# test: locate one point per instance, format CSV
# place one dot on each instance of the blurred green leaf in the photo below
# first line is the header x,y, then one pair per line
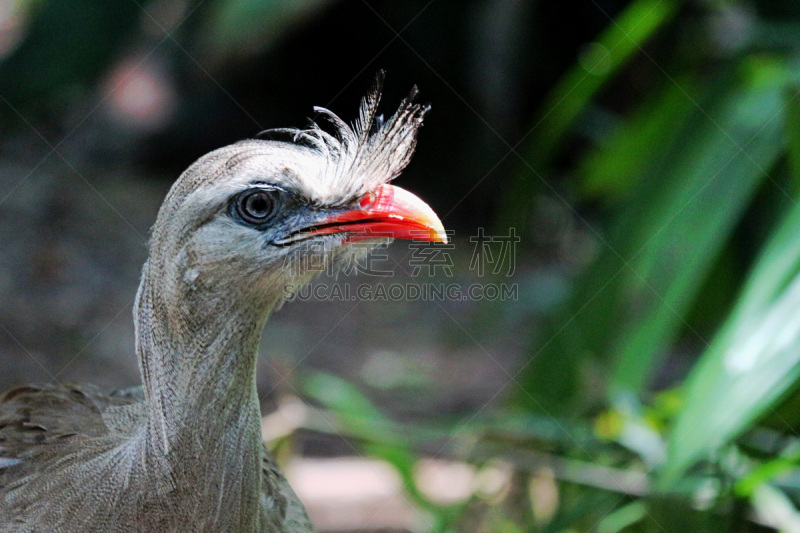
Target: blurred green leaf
x,y
581,509
793,136
341,397
240,27
691,190
670,514
725,154
600,62
775,508
354,412
767,471
622,518
382,437
612,169
752,362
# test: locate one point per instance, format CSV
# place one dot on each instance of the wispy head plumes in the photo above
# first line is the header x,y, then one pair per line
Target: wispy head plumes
x,y
369,153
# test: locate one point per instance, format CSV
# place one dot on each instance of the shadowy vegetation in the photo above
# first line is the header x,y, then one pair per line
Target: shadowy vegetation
x,y
647,151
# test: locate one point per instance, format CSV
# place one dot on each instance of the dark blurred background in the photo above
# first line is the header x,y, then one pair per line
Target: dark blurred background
x,y
646,153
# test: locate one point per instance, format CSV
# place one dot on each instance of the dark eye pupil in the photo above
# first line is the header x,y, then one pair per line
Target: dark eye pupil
x,y
255,207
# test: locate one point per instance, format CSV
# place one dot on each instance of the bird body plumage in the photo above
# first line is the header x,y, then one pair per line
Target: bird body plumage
x,y
184,453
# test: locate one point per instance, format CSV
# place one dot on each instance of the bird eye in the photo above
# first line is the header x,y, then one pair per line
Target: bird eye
x,y
255,206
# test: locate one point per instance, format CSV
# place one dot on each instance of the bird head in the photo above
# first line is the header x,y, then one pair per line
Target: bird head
x,y
240,220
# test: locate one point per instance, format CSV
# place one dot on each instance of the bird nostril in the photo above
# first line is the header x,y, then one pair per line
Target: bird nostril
x,y
367,200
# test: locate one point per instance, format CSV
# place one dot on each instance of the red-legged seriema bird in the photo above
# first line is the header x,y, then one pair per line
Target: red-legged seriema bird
x,y
185,453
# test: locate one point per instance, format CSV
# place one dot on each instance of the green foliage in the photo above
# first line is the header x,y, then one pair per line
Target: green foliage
x,y
693,181
601,60
753,361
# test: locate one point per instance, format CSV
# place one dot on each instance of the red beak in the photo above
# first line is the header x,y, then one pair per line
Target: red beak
x,y
388,211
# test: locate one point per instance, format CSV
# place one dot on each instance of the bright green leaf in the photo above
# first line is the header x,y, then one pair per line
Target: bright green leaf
x,y
752,362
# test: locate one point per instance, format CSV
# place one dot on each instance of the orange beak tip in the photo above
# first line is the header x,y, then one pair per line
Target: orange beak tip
x,y
390,211
409,211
